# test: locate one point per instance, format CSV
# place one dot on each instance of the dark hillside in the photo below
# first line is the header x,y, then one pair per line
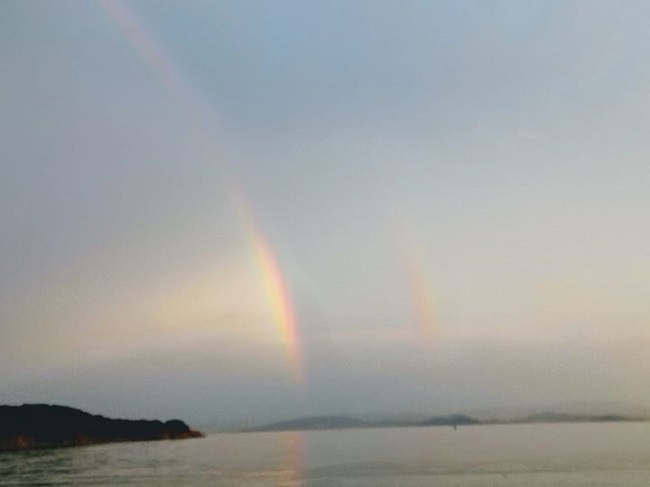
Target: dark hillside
x,y
43,425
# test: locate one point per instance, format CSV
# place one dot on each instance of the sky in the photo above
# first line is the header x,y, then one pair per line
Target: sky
x,y
246,211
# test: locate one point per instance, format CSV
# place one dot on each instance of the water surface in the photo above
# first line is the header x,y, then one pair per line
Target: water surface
x,y
535,455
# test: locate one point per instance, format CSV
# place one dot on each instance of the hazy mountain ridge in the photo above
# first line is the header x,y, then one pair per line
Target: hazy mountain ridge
x,y
314,423
451,420
579,409
350,422
554,417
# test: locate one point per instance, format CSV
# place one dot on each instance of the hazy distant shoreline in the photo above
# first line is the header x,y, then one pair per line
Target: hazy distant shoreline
x,y
311,423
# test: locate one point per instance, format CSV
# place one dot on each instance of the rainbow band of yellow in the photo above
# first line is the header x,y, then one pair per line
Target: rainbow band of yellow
x,y
266,261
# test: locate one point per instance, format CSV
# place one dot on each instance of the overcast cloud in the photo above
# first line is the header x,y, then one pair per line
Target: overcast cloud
x,y
489,160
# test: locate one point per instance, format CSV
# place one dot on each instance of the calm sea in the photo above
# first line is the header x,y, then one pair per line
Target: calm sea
x,y
532,455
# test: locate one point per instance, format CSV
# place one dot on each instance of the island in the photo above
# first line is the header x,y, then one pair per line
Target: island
x,y
314,423
454,420
451,420
553,417
348,422
47,426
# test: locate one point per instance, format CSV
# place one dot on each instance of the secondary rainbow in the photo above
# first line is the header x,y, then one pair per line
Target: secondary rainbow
x,y
420,290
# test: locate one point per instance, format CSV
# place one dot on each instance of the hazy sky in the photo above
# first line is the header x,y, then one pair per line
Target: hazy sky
x,y
455,195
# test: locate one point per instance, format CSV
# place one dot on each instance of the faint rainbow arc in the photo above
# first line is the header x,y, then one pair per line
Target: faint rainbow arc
x,y
155,57
267,262
420,290
141,40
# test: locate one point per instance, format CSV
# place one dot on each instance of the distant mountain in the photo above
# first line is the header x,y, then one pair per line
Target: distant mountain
x,y
451,420
606,418
549,417
553,417
44,426
345,422
577,409
314,423
604,408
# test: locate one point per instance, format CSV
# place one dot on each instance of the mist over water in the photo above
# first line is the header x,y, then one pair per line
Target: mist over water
x,y
533,455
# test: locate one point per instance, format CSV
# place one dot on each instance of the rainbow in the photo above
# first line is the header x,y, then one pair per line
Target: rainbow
x,y
269,269
151,51
142,40
275,284
420,290
281,303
